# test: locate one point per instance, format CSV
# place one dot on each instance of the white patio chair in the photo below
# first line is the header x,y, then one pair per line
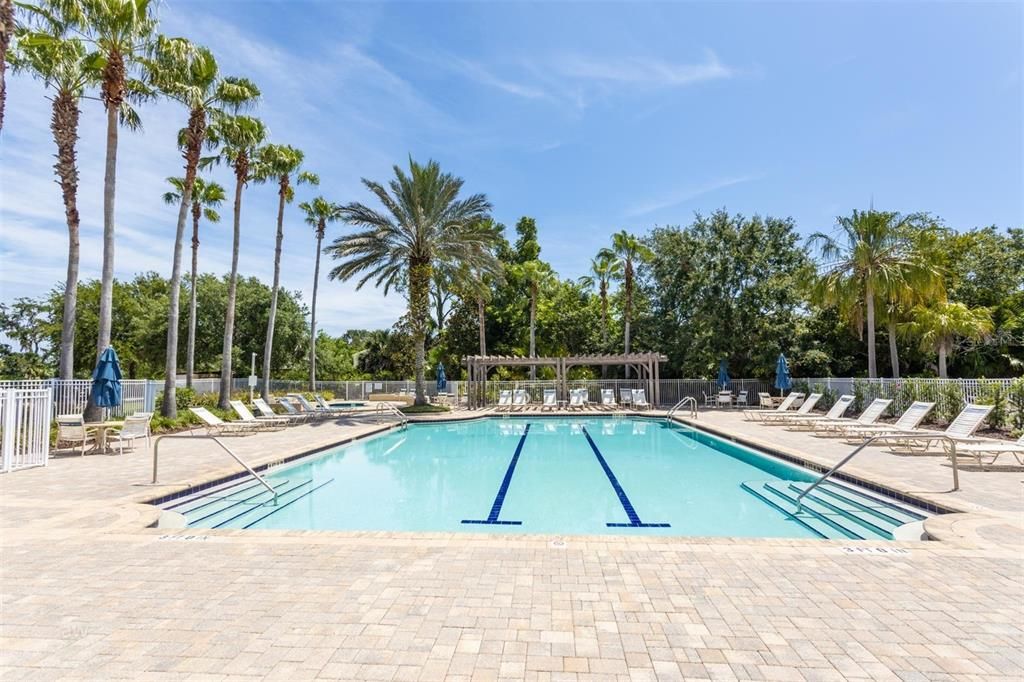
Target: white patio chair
x,y
723,399
741,400
135,427
71,429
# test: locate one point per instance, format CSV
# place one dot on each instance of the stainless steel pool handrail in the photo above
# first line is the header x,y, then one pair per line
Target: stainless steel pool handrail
x,y
156,454
383,407
884,437
679,405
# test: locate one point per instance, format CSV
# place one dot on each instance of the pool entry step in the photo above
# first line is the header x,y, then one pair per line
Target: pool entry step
x,y
240,505
835,511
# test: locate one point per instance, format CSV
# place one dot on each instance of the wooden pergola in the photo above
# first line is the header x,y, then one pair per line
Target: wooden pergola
x,y
645,365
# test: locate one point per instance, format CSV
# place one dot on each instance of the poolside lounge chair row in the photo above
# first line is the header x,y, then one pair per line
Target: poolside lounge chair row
x,y
297,409
904,436
519,399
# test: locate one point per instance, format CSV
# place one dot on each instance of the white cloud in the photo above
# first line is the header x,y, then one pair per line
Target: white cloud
x,y
642,71
684,195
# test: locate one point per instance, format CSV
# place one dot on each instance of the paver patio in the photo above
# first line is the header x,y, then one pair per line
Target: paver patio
x,y
88,592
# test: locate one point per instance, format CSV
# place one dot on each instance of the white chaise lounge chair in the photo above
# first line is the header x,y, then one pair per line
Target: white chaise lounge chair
x,y
776,417
576,399
833,428
759,415
520,399
993,449
640,399
908,422
550,399
837,410
267,412
215,426
919,442
504,401
608,399
625,397
247,417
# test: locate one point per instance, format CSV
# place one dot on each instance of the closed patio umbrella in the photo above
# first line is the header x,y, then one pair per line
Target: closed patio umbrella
x,y
442,380
723,375
106,380
783,381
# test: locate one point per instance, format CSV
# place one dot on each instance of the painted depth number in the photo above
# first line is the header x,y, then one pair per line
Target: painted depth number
x,y
875,550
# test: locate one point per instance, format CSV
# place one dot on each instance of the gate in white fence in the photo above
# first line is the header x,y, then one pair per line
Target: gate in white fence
x,y
24,427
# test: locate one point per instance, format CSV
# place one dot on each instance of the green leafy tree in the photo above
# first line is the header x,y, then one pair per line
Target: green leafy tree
x,y
940,326
319,212
630,252
50,54
206,196
425,224
238,137
279,163
604,269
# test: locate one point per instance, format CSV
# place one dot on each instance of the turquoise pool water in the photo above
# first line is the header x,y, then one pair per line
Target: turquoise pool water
x,y
585,475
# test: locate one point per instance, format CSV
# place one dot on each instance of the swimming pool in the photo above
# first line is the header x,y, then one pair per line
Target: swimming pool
x,y
568,475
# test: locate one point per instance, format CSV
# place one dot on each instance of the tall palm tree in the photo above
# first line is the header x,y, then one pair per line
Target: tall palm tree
x,y
206,197
875,257
604,268
189,75
536,275
425,224
278,162
239,137
6,33
59,60
319,212
120,33
939,325
629,251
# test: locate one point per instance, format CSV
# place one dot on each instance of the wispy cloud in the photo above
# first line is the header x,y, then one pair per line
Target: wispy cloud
x,y
642,71
684,195
478,72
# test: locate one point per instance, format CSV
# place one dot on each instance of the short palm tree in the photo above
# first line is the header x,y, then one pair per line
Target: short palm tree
x,y
937,327
424,224
59,60
537,276
279,163
874,258
120,33
189,75
206,197
238,137
604,268
629,251
319,213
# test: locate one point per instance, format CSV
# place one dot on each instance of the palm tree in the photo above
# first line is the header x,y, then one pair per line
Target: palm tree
x,y
536,275
239,137
875,258
119,33
206,197
629,251
60,61
6,33
189,75
603,269
425,225
278,162
319,212
938,327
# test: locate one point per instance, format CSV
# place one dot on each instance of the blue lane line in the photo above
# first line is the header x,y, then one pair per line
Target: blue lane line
x,y
634,518
499,499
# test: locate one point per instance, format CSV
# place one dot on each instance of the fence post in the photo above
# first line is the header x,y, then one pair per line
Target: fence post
x,y
7,399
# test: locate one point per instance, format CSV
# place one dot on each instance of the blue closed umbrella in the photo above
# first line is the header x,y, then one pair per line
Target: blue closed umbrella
x,y
106,380
783,381
723,375
442,380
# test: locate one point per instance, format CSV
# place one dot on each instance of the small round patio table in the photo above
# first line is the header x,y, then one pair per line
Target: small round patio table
x,y
102,428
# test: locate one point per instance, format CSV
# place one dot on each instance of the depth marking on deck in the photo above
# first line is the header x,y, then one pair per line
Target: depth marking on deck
x,y
634,518
499,499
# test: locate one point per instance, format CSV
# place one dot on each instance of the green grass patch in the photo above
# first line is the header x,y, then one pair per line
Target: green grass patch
x,y
424,409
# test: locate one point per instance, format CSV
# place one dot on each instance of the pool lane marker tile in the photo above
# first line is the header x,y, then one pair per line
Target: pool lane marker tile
x,y
634,518
499,499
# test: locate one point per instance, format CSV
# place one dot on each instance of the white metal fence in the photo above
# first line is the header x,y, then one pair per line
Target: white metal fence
x,y
71,396
24,427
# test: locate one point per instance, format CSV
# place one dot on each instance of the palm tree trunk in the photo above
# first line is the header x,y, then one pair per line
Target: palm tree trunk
x,y
196,132
894,353
229,317
942,360
64,125
872,364
604,326
6,31
533,331
312,314
92,412
481,321
628,286
190,361
419,311
268,347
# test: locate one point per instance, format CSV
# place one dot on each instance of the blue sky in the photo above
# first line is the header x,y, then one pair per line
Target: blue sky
x,y
590,117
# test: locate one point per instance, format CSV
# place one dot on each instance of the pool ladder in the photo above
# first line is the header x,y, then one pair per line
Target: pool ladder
x,y
387,408
688,400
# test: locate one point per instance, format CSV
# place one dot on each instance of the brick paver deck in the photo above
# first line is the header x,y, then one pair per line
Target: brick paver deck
x,y
89,593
